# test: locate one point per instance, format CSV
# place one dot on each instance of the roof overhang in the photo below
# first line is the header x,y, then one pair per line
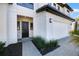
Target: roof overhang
x,y
52,10
61,4
65,5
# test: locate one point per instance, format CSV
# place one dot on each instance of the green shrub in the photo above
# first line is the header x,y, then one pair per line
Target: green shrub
x,y
41,44
52,43
74,32
75,37
2,48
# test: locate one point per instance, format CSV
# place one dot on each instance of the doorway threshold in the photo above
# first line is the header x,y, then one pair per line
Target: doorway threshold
x,y
24,39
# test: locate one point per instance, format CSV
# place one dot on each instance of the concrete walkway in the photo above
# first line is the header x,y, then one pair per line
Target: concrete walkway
x,y
66,49
28,49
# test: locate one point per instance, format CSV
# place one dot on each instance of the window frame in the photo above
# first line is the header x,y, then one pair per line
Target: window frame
x,y
54,4
26,5
68,11
58,7
31,26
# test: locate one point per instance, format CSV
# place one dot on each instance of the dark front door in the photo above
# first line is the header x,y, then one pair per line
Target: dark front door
x,y
25,29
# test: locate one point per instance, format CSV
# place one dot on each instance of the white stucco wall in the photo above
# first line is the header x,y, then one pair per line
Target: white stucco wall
x,y
24,11
73,26
40,25
61,9
59,28
3,22
12,24
38,5
65,11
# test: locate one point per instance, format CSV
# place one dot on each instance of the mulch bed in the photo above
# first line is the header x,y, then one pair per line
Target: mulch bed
x,y
43,52
14,50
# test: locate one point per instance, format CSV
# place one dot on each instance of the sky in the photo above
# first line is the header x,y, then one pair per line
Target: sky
x,y
75,7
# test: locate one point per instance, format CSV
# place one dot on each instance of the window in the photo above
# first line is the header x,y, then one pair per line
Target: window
x,y
58,8
31,26
68,11
50,4
54,4
27,5
18,25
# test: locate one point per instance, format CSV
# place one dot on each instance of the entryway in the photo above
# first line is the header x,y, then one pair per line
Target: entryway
x,y
24,27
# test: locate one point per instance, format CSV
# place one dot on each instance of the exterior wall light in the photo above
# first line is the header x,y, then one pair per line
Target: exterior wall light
x,y
50,20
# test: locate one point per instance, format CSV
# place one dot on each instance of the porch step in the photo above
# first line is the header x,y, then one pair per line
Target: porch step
x,y
24,39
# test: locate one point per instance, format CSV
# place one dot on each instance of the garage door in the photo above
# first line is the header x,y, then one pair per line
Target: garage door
x,y
60,30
